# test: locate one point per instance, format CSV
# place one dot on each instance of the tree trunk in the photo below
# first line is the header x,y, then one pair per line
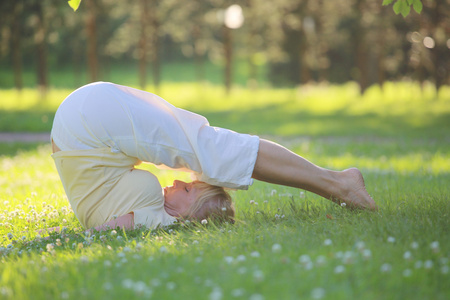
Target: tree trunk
x,y
228,52
198,54
17,45
439,54
381,74
155,42
41,49
143,45
91,33
361,49
305,73
252,35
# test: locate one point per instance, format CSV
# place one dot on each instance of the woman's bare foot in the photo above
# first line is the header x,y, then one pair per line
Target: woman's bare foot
x,y
353,191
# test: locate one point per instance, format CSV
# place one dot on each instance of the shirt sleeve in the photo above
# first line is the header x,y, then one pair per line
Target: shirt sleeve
x,y
151,217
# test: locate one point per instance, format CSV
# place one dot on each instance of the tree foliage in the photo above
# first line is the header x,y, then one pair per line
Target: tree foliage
x,y
283,42
74,4
404,6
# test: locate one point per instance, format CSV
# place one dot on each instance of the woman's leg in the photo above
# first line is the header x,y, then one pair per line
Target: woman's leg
x,y
276,164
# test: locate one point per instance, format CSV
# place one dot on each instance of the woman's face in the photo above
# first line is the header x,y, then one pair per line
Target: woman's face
x,y
179,197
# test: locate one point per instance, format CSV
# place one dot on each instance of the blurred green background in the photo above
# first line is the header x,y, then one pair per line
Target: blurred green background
x,y
251,43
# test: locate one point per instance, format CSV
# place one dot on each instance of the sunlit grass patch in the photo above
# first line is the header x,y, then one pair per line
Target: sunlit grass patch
x,y
397,110
286,243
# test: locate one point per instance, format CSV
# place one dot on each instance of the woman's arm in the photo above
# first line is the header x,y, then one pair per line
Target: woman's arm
x,y
126,222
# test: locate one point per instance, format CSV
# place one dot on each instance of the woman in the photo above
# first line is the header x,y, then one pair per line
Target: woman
x,y
102,130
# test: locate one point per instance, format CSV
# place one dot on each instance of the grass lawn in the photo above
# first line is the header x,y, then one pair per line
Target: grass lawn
x,y
286,243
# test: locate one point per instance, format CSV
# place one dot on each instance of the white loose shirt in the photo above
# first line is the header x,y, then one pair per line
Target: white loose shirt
x,y
145,127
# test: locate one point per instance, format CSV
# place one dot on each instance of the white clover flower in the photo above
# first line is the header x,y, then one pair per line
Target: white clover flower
x,y
119,238
317,293
126,249
444,269
385,268
360,245
343,204
255,254
348,257
224,208
84,259
140,288
339,269
367,253
138,246
204,222
407,255
309,265
327,242
113,232
195,242
155,282
407,273
418,264
127,283
428,264
304,259
107,286
258,275
107,263
237,292
171,285
242,270
414,245
435,246
273,192
240,258
10,235
50,247
276,248
228,259
216,294
163,249
198,259
302,194
256,297
391,239
321,260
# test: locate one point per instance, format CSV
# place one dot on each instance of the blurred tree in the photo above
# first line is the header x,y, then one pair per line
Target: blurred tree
x,y
143,44
299,40
40,40
16,47
436,28
155,25
91,33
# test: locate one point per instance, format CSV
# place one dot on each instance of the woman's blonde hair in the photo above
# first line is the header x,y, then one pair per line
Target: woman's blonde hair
x,y
212,203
